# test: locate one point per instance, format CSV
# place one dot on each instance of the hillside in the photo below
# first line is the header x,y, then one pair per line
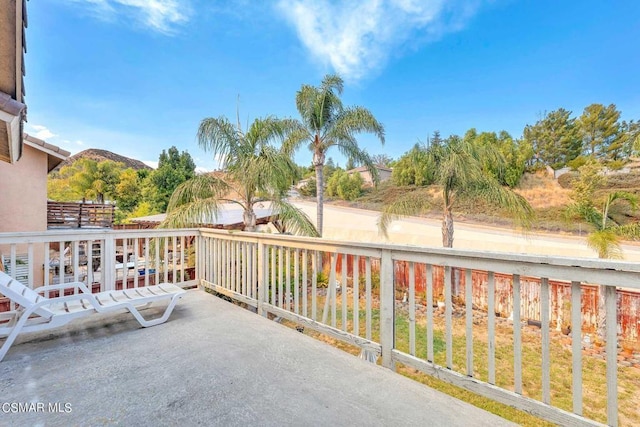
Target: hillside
x,y
548,197
101,155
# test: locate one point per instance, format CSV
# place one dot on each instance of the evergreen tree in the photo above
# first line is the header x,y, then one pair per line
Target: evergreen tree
x,y
554,139
599,129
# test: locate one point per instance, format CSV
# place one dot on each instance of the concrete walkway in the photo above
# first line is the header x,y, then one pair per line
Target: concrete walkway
x,y
212,363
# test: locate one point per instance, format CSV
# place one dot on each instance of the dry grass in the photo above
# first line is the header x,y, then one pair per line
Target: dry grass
x,y
542,191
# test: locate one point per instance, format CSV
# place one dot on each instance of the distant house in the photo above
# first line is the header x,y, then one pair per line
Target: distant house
x,y
303,183
13,20
384,174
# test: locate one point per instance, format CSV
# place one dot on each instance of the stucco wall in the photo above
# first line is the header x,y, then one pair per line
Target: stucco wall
x,y
23,192
23,200
383,175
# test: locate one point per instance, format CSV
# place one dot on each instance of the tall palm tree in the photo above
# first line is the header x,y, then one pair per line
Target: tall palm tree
x,y
254,172
460,172
325,123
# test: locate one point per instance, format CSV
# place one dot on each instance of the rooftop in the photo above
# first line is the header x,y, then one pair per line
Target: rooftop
x,y
212,363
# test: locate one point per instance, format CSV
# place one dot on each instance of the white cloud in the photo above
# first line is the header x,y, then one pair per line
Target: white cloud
x,y
162,16
356,38
151,163
41,132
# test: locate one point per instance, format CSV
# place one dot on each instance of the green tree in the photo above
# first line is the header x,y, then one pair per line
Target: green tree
x,y
382,160
345,186
58,189
598,127
415,167
630,138
128,191
254,171
554,139
350,164
326,123
460,174
435,140
93,180
174,168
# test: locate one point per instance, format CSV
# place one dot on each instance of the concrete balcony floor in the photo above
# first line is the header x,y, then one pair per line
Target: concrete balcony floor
x,y
212,363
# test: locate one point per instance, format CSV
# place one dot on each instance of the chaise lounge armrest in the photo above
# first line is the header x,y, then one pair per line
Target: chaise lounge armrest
x,y
77,286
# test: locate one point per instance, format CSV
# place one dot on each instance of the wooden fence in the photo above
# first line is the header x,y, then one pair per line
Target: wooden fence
x,y
628,300
79,215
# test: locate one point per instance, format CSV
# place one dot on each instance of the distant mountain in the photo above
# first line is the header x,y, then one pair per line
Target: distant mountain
x,y
100,155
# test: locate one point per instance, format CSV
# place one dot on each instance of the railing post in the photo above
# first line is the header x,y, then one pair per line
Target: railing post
x,y
198,251
261,279
611,325
387,309
109,266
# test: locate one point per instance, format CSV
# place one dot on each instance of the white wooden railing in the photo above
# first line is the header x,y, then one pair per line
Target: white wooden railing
x,y
104,259
278,276
353,293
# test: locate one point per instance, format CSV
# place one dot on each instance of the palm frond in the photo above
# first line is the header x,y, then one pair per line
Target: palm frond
x,y
199,187
355,120
332,83
193,214
606,243
293,219
410,204
490,190
220,137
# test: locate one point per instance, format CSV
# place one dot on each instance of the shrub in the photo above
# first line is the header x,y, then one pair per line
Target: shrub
x,y
566,180
576,163
309,188
345,186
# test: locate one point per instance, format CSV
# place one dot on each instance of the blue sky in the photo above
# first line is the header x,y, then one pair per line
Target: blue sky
x,y
137,76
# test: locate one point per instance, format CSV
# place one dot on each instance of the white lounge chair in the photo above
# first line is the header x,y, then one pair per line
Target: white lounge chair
x,y
37,313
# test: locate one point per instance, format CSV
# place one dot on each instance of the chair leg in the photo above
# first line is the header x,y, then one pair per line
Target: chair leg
x,y
13,335
147,323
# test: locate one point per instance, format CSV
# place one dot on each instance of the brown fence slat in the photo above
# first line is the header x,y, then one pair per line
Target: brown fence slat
x,y
79,215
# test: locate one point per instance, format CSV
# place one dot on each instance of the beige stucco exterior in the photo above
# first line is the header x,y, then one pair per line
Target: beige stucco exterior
x,y
383,174
23,193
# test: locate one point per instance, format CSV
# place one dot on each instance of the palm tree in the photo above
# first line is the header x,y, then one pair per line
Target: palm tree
x,y
605,239
326,123
254,172
460,171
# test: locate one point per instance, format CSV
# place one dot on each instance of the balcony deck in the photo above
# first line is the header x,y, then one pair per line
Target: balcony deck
x,y
212,363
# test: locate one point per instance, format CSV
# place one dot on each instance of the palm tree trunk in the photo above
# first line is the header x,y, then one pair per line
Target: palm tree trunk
x,y
249,219
447,242
318,161
447,228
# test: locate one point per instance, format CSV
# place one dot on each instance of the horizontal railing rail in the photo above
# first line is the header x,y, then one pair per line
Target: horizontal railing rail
x,y
103,259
